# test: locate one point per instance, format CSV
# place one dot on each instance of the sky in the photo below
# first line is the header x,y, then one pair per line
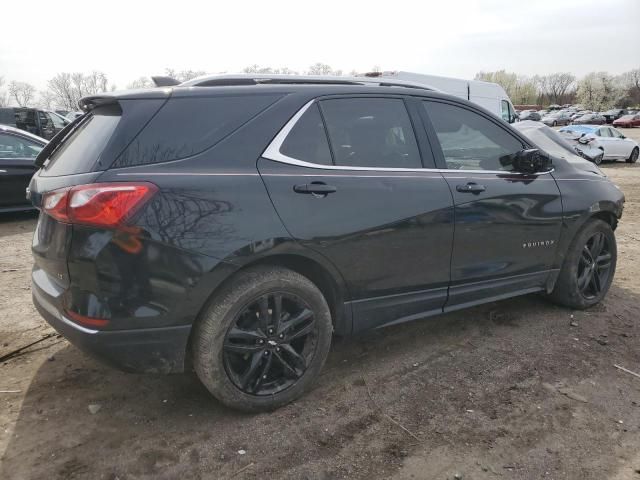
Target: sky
x,y
130,39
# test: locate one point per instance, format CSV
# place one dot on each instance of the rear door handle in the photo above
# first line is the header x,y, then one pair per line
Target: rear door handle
x,y
471,188
318,188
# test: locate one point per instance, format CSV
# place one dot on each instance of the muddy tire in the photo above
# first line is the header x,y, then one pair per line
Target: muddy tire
x,y
263,339
588,268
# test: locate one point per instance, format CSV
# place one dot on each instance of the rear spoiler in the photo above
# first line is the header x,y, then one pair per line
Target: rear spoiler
x,y
162,81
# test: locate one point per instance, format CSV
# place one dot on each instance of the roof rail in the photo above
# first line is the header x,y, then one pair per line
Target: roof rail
x,y
262,79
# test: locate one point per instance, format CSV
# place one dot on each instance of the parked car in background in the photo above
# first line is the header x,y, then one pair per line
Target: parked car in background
x,y
613,114
579,114
556,118
245,224
530,115
590,119
613,143
627,121
71,116
561,144
18,150
41,123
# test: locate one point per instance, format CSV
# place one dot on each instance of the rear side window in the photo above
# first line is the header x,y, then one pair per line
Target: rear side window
x,y
468,140
7,116
371,132
187,126
307,140
80,152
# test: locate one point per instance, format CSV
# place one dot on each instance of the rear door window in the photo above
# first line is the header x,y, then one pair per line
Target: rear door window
x,y
371,132
307,140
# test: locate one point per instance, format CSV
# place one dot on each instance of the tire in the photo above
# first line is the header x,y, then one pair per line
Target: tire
x,y
633,158
568,291
598,160
555,124
221,368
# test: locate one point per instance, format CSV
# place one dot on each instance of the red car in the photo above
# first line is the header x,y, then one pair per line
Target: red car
x,y
627,121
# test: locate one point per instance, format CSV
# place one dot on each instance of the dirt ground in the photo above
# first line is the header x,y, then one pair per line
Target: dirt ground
x,y
519,389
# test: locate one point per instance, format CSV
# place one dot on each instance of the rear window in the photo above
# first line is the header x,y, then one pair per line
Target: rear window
x,y
187,126
80,152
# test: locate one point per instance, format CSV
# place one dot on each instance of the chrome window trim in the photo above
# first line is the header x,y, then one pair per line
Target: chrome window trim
x,y
272,152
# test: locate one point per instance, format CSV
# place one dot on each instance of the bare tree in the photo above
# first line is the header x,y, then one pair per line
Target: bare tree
x,y
183,75
47,100
630,85
141,82
557,86
22,92
255,68
4,101
68,88
322,69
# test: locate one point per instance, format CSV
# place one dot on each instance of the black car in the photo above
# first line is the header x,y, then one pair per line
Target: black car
x,y
41,123
234,224
18,151
590,119
615,113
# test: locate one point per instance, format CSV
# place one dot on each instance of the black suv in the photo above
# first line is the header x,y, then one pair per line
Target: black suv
x,y
38,122
232,224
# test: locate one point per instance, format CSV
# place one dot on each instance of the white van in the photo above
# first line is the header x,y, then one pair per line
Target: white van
x,y
488,95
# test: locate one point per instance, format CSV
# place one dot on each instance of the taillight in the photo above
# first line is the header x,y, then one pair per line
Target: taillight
x,y
99,204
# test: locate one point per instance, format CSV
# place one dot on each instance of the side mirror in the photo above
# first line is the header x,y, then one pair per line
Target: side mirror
x,y
530,160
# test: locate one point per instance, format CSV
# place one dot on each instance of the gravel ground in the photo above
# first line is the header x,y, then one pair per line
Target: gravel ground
x,y
519,389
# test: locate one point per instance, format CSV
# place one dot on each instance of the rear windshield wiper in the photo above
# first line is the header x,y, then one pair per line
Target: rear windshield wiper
x,y
57,140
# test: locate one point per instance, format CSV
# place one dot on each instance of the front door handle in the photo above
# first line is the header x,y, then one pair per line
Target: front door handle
x,y
471,188
318,188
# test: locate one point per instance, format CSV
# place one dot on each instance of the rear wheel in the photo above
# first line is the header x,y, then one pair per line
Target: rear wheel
x,y
588,268
633,158
263,339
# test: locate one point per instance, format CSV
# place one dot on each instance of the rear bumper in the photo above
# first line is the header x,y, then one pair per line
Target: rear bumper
x,y
153,350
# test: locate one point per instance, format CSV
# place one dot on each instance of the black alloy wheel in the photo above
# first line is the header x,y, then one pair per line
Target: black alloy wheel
x,y
269,345
594,266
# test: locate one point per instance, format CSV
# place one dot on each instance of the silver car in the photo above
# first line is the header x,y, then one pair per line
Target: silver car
x,y
555,119
613,143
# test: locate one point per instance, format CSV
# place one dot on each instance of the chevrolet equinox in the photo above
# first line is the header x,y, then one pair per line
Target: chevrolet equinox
x,y
232,225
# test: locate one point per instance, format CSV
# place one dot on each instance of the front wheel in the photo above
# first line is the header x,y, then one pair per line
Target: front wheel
x,y
263,339
633,158
598,160
588,268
